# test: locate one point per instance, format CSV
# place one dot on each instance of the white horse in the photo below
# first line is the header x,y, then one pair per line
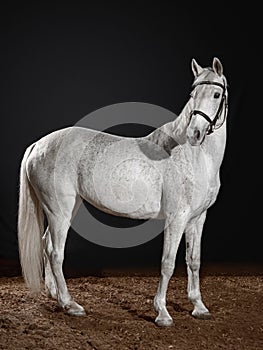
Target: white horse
x,y
178,164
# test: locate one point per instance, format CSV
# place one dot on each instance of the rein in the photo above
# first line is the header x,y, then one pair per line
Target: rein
x,y
220,108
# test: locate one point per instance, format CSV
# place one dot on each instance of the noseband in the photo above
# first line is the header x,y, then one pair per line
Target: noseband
x,y
223,101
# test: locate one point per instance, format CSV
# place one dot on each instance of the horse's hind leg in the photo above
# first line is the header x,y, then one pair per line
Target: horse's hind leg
x,y
193,235
50,284
58,222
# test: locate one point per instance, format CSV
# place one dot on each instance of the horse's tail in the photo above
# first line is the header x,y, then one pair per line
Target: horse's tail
x,y
30,230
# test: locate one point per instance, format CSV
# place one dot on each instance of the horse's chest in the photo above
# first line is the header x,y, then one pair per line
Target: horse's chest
x,y
211,195
205,192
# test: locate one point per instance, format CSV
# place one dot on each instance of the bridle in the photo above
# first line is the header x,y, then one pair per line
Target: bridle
x,y
223,102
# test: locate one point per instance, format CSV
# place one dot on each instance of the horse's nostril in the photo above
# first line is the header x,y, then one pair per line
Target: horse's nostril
x,y
197,134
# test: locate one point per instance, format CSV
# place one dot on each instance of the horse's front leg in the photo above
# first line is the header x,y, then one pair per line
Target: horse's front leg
x,y
172,236
193,235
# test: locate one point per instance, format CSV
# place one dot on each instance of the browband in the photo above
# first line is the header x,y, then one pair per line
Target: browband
x,y
208,82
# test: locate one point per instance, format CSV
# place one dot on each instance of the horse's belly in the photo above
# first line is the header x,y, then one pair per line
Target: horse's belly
x,y
123,182
130,194
149,210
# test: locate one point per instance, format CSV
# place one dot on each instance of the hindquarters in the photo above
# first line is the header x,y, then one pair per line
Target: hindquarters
x,y
53,178
52,171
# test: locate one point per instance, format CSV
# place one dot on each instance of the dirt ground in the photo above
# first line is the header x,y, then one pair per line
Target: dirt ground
x,y
120,315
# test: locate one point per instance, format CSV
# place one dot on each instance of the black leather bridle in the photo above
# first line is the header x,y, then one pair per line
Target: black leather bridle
x,y
223,102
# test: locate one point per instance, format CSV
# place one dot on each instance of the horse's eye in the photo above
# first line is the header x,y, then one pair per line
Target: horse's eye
x,y
216,95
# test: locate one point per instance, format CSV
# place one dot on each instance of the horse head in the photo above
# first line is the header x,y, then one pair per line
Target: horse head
x,y
208,101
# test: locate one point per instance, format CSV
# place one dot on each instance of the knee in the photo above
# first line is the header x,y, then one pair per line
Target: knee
x,y
167,268
193,264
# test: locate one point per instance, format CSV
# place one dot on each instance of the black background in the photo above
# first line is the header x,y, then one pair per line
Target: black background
x,y
60,62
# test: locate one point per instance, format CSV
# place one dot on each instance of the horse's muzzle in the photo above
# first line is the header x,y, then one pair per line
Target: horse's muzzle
x,y
195,137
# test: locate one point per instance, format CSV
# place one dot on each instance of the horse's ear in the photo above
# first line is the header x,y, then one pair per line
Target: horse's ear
x,y
217,66
196,68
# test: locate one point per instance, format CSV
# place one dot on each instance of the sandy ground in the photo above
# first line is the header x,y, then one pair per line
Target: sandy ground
x,y
120,315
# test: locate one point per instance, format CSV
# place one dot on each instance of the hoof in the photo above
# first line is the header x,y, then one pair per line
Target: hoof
x,y
164,322
202,316
75,310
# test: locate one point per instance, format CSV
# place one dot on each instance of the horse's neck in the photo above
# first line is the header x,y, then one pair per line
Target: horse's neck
x,y
180,124
173,133
214,147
